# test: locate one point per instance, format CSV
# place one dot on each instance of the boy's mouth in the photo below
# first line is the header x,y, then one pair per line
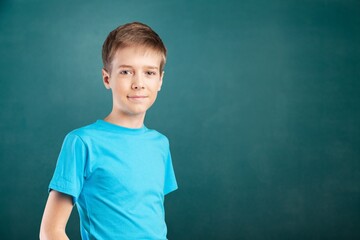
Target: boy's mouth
x,y
137,97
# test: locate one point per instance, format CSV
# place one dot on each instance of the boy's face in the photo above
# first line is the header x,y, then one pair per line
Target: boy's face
x,y
135,80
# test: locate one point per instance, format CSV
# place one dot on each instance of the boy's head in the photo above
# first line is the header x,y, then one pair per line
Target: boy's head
x,y
134,34
134,58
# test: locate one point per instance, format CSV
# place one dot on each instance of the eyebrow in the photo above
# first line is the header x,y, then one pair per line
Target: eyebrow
x,y
151,67
124,66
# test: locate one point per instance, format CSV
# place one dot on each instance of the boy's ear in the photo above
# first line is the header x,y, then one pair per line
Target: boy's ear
x,y
106,78
161,80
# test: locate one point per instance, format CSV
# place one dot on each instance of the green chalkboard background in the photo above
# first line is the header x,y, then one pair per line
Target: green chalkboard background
x,y
261,103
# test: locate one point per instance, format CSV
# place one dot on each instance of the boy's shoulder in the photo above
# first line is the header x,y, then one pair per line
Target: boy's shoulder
x,y
83,131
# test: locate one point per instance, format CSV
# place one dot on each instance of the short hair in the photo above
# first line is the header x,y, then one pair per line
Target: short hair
x,y
132,34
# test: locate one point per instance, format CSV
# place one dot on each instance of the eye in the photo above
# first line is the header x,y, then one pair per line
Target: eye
x,y
150,73
125,72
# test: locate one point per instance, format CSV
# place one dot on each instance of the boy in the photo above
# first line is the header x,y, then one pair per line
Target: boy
x,y
115,170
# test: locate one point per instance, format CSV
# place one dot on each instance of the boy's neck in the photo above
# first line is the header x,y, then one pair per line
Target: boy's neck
x,y
126,121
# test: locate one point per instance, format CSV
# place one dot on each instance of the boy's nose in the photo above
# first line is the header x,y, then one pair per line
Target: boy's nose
x,y
137,83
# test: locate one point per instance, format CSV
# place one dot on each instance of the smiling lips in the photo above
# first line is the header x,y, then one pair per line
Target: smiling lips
x,y
136,97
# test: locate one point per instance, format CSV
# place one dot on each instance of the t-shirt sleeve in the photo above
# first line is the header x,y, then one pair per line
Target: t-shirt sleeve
x,y
170,180
69,174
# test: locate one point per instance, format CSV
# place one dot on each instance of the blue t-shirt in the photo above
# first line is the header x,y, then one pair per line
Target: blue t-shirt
x,y
117,177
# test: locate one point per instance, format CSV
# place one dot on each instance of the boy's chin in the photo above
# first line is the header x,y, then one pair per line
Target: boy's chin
x,y
137,112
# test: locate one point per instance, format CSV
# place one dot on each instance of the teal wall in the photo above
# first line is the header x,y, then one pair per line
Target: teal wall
x,y
260,100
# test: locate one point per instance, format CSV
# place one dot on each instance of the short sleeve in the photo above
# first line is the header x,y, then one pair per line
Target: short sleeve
x,y
69,174
170,180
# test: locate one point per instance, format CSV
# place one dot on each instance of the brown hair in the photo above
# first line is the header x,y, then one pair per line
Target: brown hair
x,y
131,34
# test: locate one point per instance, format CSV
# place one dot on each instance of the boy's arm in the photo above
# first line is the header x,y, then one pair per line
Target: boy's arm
x,y
56,215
